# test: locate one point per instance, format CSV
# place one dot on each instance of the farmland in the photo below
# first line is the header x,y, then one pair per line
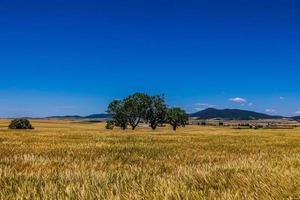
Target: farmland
x,y
82,160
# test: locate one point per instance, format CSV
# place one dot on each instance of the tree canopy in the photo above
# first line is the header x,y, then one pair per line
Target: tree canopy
x,y
136,107
120,118
151,109
177,117
157,112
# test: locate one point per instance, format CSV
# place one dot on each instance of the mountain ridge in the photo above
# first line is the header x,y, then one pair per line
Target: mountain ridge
x,y
237,114
208,113
92,116
296,118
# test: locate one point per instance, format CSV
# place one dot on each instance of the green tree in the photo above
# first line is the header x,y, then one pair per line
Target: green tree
x,y
117,108
177,117
157,112
136,107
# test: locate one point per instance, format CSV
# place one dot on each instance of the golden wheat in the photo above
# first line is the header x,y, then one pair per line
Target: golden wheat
x,y
74,160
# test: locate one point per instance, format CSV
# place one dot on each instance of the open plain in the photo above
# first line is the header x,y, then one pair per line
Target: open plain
x,y
82,160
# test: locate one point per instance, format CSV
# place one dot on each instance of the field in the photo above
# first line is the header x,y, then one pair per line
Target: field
x,y
76,160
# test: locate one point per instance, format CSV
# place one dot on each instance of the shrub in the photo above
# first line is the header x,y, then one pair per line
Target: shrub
x,y
20,124
110,124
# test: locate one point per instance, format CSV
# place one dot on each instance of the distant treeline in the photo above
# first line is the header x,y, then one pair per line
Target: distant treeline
x,y
139,107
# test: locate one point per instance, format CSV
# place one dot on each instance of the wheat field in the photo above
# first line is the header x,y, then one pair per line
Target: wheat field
x,y
81,160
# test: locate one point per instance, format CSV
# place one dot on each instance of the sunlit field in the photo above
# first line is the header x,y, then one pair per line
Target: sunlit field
x,y
75,160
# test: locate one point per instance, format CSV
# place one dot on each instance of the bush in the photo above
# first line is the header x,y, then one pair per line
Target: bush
x,y
20,124
110,124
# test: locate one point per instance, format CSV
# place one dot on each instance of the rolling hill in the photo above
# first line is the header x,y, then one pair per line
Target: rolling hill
x,y
231,114
210,113
93,116
296,118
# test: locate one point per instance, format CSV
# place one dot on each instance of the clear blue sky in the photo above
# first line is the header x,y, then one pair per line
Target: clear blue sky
x,y
74,57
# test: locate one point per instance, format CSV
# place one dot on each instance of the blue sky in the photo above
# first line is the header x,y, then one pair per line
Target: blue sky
x,y
73,57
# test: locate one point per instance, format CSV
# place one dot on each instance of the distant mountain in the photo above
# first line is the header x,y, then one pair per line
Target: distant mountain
x,y
93,116
231,114
209,113
99,116
296,118
65,117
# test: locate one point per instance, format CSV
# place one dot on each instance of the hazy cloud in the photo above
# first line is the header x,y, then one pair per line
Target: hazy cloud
x,y
271,110
297,112
238,100
282,98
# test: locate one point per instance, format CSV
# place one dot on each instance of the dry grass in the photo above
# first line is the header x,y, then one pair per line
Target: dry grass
x,y
71,160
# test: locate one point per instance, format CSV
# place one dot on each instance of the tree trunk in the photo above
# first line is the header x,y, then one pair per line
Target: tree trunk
x,y
135,124
153,127
174,127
